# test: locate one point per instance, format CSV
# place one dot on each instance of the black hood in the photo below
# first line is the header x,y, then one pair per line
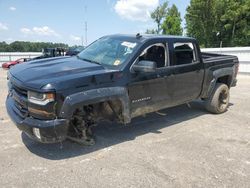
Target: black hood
x,y
59,73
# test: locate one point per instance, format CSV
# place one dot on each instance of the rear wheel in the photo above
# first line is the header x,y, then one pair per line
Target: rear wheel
x,y
219,99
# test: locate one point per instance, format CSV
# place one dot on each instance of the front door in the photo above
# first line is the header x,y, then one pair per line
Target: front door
x,y
148,91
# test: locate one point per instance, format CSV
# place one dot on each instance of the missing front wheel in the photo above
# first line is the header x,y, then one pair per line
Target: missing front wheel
x,y
81,128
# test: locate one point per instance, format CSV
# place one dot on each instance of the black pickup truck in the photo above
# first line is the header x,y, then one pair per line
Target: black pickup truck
x,y
116,78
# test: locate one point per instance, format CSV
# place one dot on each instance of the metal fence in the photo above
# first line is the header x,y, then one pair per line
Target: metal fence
x,y
11,56
243,53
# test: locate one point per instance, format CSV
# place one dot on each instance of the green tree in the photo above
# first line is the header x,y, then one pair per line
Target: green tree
x,y
21,46
18,46
236,21
215,22
151,31
200,21
3,46
158,14
172,23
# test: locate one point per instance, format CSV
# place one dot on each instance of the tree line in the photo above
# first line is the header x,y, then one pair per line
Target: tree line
x,y
214,23
21,46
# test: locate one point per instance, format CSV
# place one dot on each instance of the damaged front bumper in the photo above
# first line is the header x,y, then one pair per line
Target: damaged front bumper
x,y
45,131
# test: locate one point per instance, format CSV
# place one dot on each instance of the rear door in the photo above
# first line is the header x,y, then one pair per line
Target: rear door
x,y
187,72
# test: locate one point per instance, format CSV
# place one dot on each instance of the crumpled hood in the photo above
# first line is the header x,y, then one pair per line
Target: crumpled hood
x,y
59,73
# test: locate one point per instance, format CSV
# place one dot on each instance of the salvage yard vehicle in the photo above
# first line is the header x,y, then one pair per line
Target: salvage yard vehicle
x,y
10,64
116,78
51,52
74,51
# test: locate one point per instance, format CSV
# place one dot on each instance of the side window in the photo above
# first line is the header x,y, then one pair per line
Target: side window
x,y
184,53
156,53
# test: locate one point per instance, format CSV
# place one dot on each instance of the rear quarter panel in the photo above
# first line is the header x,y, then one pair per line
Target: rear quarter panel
x,y
216,67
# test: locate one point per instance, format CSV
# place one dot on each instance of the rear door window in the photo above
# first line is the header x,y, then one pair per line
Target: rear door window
x,y
184,53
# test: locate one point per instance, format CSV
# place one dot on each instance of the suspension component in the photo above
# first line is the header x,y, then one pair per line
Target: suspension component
x,y
80,127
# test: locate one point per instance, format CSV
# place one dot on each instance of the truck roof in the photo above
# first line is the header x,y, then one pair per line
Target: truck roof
x,y
145,37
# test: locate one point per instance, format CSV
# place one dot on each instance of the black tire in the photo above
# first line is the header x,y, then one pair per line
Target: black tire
x,y
218,101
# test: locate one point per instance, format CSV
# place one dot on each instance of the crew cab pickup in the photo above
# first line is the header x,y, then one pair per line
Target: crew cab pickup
x,y
116,78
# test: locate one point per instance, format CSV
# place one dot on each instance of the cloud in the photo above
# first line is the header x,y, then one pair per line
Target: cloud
x,y
12,8
3,27
136,10
46,31
75,38
42,31
26,30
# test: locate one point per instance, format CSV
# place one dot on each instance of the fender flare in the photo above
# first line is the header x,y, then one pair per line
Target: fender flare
x,y
229,71
77,100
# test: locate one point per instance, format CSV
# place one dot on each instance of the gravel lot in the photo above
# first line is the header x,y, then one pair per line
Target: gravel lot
x,y
181,147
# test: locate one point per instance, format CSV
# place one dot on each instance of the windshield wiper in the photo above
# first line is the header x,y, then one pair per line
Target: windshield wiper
x,y
91,61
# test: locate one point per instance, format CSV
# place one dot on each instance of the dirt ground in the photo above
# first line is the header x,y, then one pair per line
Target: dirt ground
x,y
183,146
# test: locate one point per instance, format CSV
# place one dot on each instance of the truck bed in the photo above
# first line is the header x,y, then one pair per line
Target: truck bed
x,y
212,57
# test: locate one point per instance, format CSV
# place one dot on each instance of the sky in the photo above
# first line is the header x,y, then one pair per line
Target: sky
x,y
64,20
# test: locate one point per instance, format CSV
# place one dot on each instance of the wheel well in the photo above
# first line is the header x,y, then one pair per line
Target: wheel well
x,y
108,110
224,80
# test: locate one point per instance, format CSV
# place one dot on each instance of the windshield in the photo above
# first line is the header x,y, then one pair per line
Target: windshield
x,y
108,51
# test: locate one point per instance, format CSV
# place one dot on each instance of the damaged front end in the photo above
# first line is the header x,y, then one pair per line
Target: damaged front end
x,y
38,121
88,108
78,113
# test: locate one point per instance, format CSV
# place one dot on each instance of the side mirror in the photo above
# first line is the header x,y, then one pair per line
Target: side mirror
x,y
145,66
